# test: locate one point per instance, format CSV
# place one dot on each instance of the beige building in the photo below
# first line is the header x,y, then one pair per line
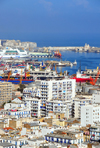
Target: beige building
x,y
5,92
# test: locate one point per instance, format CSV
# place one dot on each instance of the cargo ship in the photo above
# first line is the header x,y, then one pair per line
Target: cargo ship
x,y
17,80
81,77
57,54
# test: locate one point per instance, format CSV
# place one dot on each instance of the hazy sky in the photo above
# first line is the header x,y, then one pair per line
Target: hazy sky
x,y
49,17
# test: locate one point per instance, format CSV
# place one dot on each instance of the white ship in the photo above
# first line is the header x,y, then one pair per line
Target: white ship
x,y
13,53
75,63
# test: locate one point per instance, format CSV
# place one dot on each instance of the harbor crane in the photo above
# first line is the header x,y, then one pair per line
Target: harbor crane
x,y
21,77
93,81
9,74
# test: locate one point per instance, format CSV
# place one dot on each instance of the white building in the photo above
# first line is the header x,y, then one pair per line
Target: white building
x,y
77,104
90,114
34,105
15,141
31,92
58,106
17,110
63,90
96,97
58,89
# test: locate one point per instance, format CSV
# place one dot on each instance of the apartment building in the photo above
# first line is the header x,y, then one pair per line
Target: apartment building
x,y
58,106
5,92
96,97
90,114
65,137
34,105
63,90
77,104
58,89
15,143
31,92
95,133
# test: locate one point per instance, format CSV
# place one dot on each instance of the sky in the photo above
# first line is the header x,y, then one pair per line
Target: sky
x,y
49,21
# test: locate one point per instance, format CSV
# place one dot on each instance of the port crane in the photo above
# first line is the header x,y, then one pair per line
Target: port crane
x,y
9,74
93,81
46,49
21,77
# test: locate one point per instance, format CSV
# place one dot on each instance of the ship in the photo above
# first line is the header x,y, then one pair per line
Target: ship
x,y
57,54
61,64
41,54
92,73
81,77
75,63
43,74
13,53
17,78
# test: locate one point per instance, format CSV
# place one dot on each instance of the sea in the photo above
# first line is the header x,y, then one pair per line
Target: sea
x,y
84,61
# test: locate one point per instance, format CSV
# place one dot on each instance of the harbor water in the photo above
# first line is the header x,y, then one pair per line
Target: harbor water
x,y
87,60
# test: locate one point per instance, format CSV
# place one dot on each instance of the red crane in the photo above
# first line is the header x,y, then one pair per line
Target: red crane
x,y
93,81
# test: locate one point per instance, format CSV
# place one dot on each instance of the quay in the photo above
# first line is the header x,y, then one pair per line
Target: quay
x,y
86,48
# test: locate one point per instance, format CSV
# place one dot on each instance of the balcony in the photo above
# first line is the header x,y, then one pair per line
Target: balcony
x,y
34,112
34,115
34,108
45,90
51,104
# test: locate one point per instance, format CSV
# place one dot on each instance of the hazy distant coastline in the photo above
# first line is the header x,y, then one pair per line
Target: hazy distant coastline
x,y
32,46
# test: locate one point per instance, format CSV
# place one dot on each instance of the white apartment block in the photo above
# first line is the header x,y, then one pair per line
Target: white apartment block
x,y
31,92
77,104
16,113
58,89
96,97
63,90
90,114
34,105
58,106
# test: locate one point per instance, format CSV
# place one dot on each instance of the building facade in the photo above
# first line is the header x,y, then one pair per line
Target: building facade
x,y
5,92
90,114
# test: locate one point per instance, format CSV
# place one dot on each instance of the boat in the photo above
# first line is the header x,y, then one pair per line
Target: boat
x,y
13,53
57,54
81,77
43,74
75,63
17,78
61,64
71,64
92,73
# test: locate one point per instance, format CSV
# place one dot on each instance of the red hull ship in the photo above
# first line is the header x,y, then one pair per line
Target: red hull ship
x,y
81,77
